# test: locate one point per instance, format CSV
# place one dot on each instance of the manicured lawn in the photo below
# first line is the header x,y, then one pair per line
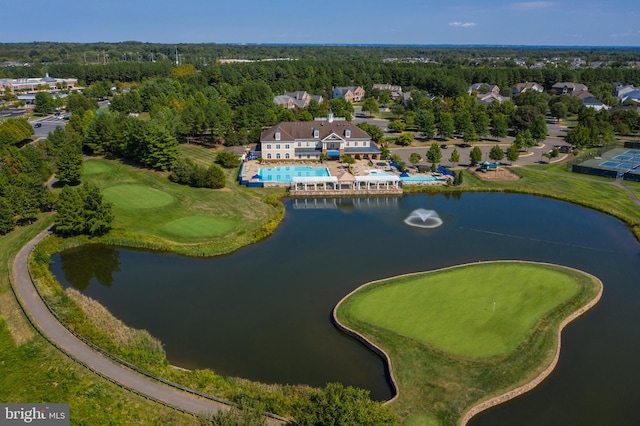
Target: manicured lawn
x,y
454,310
131,197
449,350
151,211
198,227
199,153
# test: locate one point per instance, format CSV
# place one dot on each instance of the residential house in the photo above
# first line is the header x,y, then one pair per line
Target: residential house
x,y
299,99
631,96
568,88
489,98
627,93
350,93
396,91
309,140
528,86
590,101
484,88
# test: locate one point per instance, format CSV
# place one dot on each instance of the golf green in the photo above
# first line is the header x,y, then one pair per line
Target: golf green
x,y
475,310
136,197
198,227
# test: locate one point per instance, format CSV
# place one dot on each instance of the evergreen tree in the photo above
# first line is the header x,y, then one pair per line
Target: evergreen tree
x,y
69,216
96,212
69,164
214,177
7,217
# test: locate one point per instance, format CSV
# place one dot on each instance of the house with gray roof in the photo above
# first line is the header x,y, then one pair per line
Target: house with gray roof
x,y
528,86
590,101
309,140
484,88
396,91
568,88
489,98
299,99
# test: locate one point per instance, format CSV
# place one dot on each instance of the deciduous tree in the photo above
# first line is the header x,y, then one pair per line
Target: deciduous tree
x,y
475,156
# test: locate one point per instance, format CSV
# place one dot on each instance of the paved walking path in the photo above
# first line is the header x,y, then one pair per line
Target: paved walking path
x,y
51,329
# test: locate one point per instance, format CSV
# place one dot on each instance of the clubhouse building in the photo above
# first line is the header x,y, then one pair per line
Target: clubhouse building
x,y
312,140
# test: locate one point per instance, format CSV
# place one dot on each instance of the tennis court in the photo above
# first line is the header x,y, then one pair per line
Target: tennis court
x,y
620,163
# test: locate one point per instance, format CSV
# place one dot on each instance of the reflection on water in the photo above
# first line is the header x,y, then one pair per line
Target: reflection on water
x,y
81,265
263,312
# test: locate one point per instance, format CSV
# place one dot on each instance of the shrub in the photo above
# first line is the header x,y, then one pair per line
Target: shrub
x,y
227,159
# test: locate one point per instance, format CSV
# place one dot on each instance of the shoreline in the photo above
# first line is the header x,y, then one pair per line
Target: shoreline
x,y
493,401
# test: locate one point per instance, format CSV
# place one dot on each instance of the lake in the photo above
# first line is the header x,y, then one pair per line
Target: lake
x,y
263,312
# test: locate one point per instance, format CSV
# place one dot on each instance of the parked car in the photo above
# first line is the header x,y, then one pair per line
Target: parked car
x,y
37,125
444,146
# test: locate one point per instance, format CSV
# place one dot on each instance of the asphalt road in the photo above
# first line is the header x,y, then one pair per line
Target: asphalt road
x,y
48,326
47,124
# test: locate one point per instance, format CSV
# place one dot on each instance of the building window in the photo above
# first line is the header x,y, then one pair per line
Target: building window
x,y
278,134
316,133
287,156
278,146
347,133
269,156
299,144
356,143
286,146
277,156
268,146
299,156
308,144
308,156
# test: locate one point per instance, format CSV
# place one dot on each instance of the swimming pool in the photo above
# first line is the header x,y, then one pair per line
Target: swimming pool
x,y
379,173
418,179
285,173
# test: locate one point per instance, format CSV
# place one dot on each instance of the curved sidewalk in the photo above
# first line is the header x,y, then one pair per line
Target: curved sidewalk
x,y
48,325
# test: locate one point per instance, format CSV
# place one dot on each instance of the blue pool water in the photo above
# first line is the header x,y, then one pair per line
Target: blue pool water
x,y
418,179
285,173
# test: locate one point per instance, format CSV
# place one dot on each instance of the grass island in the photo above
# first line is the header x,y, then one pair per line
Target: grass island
x,y
462,339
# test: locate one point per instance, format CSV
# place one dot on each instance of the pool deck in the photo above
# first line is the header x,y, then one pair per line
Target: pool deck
x,y
360,168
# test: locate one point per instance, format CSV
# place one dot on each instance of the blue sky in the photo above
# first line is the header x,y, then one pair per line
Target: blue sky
x,y
496,22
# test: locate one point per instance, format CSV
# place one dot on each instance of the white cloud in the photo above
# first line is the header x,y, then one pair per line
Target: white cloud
x,y
530,5
625,34
463,24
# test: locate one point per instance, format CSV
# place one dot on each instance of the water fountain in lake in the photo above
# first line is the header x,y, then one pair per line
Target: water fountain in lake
x,y
423,218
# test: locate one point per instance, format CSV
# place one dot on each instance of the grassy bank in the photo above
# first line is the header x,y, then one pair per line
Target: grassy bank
x,y
34,371
152,212
444,366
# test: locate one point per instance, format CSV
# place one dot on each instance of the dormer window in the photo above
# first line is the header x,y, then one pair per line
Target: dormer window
x,y
277,134
316,132
347,132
